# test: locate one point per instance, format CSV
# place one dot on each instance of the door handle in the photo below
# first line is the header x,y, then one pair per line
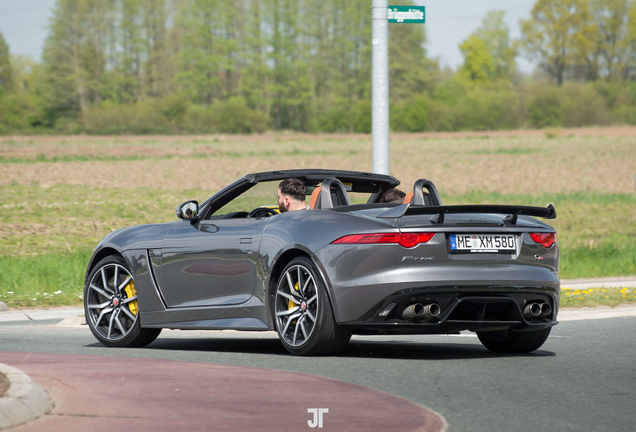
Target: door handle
x,y
245,240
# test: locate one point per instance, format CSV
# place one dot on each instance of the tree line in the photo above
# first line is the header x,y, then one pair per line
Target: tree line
x,y
202,66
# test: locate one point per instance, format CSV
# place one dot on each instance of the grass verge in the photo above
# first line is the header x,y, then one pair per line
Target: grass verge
x,y
573,298
43,280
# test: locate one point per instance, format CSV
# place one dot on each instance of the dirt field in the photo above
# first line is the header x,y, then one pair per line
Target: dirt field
x,y
584,160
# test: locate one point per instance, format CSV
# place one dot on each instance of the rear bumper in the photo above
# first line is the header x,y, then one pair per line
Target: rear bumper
x,y
486,308
364,278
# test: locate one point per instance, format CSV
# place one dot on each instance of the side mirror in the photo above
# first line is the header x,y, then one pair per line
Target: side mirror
x,y
189,210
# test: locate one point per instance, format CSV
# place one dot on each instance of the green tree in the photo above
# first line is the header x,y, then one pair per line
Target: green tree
x,y
410,71
303,63
496,36
479,65
156,70
630,72
290,87
559,34
339,35
255,75
5,65
76,53
125,83
209,51
612,57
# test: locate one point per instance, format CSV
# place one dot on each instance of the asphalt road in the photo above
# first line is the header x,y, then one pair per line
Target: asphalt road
x,y
582,379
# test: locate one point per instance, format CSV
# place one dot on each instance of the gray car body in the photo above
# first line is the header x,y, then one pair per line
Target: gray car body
x,y
222,273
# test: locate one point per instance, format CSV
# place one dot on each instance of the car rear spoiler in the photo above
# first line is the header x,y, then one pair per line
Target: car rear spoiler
x,y
513,211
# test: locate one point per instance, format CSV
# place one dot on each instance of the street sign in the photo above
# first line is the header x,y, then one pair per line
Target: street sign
x,y
407,14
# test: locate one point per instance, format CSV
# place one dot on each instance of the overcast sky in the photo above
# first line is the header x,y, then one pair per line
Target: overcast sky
x,y
448,22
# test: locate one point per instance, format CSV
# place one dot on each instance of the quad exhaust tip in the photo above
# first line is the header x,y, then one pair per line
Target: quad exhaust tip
x,y
421,312
536,310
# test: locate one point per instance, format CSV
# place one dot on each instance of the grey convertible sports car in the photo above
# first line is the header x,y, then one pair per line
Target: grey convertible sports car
x,y
320,275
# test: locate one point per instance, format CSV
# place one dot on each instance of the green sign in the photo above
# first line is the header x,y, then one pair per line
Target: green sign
x,y
407,14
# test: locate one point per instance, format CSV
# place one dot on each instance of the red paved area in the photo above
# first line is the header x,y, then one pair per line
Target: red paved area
x,y
102,393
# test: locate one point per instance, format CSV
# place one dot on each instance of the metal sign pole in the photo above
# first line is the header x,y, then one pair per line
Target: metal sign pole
x,y
380,86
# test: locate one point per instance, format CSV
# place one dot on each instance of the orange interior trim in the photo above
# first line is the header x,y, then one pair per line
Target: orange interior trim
x,y
314,197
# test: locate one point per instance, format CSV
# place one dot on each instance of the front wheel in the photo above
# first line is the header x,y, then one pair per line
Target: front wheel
x,y
303,315
111,307
508,341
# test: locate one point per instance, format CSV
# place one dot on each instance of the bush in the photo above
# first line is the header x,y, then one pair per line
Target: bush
x,y
584,106
492,106
113,119
572,105
465,106
234,116
173,107
174,114
333,115
545,105
362,116
624,104
19,112
411,115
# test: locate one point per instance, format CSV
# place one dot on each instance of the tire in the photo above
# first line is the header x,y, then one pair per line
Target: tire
x,y
302,312
111,307
508,341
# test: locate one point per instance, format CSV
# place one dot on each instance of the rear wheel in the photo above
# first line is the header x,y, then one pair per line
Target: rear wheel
x,y
111,306
508,341
303,315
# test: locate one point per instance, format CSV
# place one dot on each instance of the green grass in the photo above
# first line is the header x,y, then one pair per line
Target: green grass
x,y
63,219
596,232
608,259
44,280
596,296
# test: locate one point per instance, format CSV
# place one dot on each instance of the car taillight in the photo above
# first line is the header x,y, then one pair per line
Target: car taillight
x,y
406,240
546,239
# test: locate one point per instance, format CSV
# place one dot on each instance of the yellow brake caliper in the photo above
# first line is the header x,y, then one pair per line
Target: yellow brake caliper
x,y
130,293
290,303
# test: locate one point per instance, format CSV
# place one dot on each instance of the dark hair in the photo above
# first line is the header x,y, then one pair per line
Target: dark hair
x,y
392,195
294,188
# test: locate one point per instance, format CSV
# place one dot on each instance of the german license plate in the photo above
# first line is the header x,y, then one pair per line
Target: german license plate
x,y
483,243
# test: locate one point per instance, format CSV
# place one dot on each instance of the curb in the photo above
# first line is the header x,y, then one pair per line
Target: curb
x,y
599,312
34,315
24,400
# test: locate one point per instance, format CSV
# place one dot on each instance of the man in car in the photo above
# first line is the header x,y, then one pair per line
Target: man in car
x,y
291,195
392,195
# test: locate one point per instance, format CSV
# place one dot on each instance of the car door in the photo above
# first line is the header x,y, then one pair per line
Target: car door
x,y
212,262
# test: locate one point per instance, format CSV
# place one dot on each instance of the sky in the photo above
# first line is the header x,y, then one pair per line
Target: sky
x,y
23,23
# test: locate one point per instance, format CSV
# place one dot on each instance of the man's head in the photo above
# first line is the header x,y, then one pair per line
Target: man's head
x,y
291,195
392,195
